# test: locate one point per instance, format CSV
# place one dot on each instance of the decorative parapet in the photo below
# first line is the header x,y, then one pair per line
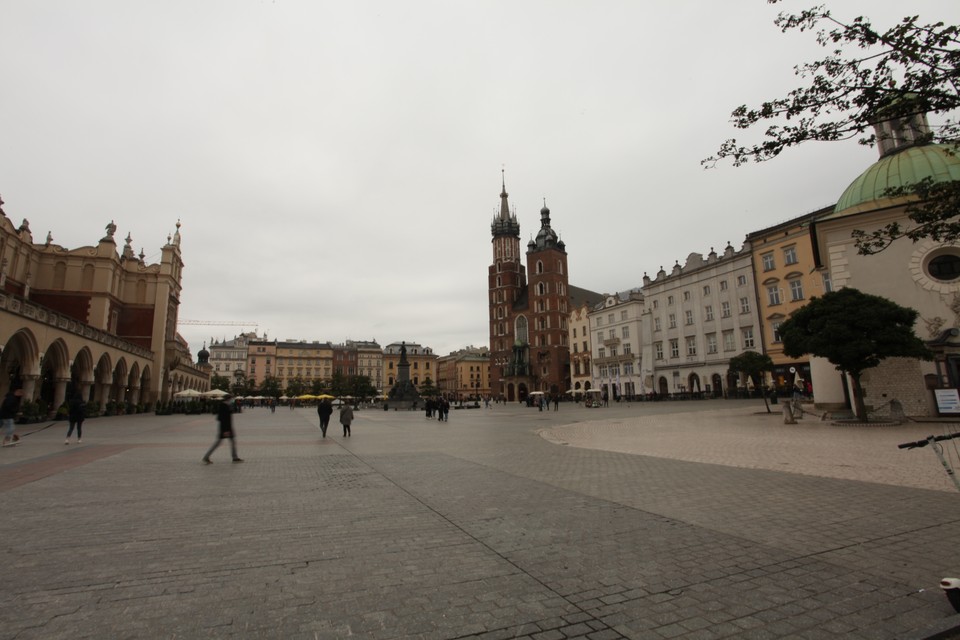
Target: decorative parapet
x,y
38,313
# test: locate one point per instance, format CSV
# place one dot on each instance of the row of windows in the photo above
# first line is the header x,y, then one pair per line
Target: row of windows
x,y
741,281
612,317
602,351
506,250
612,334
747,341
413,365
789,257
613,370
708,315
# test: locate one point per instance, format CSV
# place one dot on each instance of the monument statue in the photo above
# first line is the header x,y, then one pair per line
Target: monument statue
x,y
404,394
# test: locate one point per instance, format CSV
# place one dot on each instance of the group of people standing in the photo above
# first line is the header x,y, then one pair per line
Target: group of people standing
x,y
439,406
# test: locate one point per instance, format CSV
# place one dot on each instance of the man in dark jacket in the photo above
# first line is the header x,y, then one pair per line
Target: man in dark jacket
x,y
8,413
225,417
324,410
76,413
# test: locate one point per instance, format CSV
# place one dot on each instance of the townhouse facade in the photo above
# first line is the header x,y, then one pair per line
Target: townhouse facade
x,y
702,314
228,358
581,369
786,276
616,328
422,361
464,374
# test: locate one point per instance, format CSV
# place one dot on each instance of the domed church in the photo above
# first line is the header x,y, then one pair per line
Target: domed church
x,y
923,275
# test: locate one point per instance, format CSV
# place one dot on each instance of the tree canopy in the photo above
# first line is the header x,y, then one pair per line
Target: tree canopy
x,y
909,68
753,365
855,331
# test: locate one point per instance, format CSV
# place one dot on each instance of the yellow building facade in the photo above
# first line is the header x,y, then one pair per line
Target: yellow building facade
x,y
786,277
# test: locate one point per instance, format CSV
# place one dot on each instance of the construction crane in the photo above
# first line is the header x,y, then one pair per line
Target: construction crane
x,y
220,323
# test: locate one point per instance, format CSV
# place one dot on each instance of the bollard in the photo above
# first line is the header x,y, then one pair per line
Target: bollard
x,y
951,586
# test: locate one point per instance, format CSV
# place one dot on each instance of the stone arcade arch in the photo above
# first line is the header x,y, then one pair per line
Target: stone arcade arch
x,y
716,382
54,375
81,373
52,369
663,386
20,363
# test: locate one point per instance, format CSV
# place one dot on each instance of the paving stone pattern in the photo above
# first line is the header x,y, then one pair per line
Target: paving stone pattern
x,y
502,523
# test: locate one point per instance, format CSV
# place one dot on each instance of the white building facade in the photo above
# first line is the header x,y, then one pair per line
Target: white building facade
x,y
701,315
615,330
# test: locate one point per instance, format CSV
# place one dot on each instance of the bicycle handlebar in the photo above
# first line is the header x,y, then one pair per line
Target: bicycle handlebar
x,y
929,440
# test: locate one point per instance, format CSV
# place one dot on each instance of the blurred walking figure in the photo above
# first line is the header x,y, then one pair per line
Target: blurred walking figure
x,y
225,417
8,413
346,417
324,410
76,412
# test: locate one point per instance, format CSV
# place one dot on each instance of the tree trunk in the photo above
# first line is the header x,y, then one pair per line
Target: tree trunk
x,y
859,407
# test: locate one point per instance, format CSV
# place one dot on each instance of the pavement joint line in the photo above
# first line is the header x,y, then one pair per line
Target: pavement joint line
x,y
520,570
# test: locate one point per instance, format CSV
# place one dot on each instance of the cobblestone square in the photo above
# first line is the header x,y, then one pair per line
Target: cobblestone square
x,y
707,519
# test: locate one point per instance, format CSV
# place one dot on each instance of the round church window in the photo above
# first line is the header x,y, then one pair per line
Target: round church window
x,y
944,267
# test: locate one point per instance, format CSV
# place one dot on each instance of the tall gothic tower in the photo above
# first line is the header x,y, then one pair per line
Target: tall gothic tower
x,y
528,323
505,281
548,309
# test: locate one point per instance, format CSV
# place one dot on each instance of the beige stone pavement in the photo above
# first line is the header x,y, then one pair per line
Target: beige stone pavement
x,y
749,437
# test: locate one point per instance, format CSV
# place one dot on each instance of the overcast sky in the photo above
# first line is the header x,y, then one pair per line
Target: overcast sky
x,y
336,165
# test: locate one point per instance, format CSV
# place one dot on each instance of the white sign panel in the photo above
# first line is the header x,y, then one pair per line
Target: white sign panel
x,y
948,400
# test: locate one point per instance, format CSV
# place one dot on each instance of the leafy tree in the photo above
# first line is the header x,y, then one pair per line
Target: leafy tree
x,y
907,69
241,386
319,386
296,386
753,365
219,382
427,388
270,387
359,386
339,385
855,331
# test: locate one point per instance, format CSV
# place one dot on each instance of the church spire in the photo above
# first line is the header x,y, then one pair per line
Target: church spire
x,y
504,207
504,224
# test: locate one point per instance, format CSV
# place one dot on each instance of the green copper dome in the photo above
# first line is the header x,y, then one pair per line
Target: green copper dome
x,y
909,166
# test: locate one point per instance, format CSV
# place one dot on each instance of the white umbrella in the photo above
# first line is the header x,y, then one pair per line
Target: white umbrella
x,y
187,393
214,393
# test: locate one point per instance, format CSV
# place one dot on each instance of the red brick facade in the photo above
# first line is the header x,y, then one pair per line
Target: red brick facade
x,y
529,308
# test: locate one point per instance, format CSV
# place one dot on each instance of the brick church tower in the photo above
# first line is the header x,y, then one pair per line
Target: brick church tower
x,y
529,307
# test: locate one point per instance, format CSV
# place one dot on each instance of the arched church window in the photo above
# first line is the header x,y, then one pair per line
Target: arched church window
x,y
539,266
520,328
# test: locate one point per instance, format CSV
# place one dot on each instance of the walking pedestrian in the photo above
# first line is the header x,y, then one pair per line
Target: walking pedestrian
x,y
346,417
324,410
445,410
8,413
225,430
76,412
